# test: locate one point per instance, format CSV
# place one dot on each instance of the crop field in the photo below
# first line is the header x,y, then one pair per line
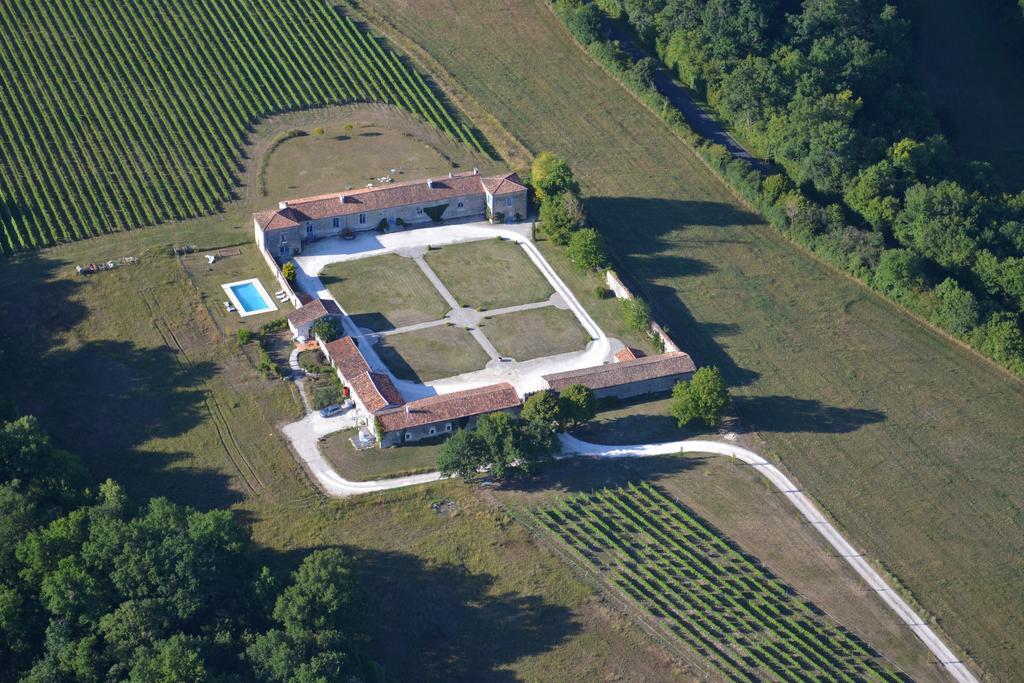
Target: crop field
x,y
876,416
117,114
723,604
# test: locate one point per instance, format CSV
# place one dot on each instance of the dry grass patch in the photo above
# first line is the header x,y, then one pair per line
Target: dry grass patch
x,y
378,463
489,274
384,292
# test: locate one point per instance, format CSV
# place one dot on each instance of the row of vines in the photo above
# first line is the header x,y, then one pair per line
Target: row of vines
x,y
723,604
116,114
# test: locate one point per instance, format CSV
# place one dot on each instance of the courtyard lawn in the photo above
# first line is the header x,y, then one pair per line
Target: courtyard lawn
x,y
384,292
489,274
378,463
538,332
909,441
431,353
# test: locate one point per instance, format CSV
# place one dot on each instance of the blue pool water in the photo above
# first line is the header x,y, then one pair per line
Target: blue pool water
x,y
250,297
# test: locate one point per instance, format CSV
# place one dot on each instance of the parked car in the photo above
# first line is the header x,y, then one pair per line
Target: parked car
x,y
331,410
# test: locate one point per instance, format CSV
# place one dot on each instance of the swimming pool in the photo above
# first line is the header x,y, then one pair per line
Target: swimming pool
x,y
249,297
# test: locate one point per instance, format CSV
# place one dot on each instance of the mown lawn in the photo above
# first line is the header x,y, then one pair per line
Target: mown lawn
x,y
489,274
431,353
384,292
908,440
378,463
538,332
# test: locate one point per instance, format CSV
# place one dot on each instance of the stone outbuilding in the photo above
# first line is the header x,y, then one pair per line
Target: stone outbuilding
x,y
628,378
301,320
445,413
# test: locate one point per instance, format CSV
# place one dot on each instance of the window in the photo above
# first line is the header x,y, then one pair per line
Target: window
x,y
433,430
448,427
362,219
337,222
461,205
508,201
309,228
419,210
408,436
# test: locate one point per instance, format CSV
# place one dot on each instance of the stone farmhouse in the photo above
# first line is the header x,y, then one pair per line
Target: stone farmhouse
x,y
629,376
283,231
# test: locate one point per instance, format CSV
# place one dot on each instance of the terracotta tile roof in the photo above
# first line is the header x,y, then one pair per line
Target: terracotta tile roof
x,y
503,184
629,353
312,311
453,406
387,196
374,389
625,372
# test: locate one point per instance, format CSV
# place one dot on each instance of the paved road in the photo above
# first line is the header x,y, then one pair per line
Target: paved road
x,y
699,120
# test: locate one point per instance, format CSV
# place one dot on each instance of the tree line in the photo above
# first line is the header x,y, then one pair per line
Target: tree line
x,y
828,91
93,588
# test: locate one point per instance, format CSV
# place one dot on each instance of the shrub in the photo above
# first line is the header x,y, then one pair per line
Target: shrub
x,y
637,314
326,328
586,249
328,393
435,212
318,131
244,336
400,222
288,271
602,292
383,224
276,325
959,308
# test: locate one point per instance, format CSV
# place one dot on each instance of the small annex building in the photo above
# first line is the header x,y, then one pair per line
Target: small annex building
x,y
283,231
302,319
629,377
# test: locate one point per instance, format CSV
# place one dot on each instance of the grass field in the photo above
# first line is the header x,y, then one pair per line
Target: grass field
x,y
489,274
908,440
971,73
431,353
378,463
538,332
355,151
208,279
384,292
122,114
642,420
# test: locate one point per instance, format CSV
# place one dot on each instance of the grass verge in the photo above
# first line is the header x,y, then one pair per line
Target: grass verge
x,y
535,333
378,463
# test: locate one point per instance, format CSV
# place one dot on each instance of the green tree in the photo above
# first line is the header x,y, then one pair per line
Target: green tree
x,y
577,404
551,176
288,271
175,660
326,328
543,408
959,313
899,271
559,218
586,249
940,222
637,314
462,454
703,398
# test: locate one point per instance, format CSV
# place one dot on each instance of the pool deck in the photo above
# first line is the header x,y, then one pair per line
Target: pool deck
x,y
239,308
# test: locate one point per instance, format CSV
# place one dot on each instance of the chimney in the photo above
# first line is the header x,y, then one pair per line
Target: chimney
x,y
450,174
430,182
476,171
342,198
407,409
282,205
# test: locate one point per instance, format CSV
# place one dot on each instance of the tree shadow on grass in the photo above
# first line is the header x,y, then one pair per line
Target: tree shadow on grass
x,y
443,622
787,414
584,474
101,400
